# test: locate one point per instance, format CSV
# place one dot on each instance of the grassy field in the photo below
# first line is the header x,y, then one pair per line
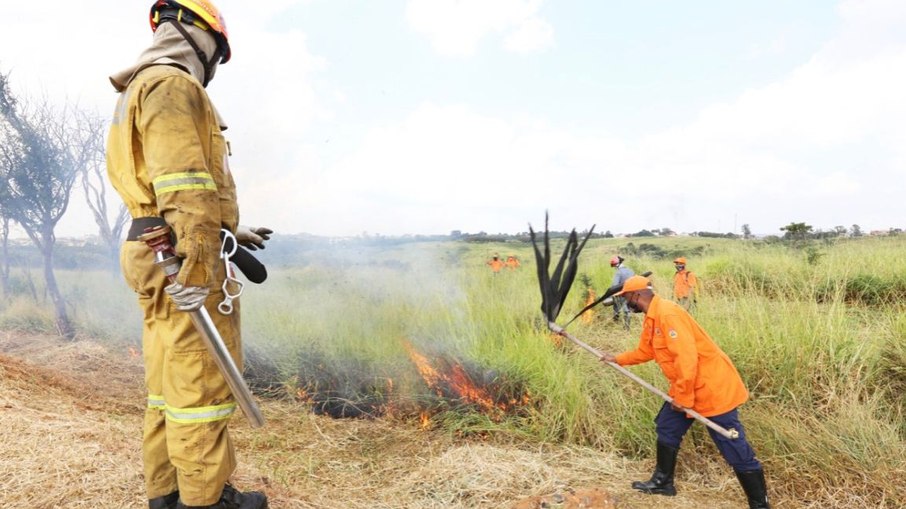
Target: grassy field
x,y
816,330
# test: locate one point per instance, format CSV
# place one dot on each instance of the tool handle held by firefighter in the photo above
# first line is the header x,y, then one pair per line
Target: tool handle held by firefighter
x,y
158,239
610,360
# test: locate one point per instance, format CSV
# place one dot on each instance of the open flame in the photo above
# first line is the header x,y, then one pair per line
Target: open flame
x,y
456,381
352,391
590,297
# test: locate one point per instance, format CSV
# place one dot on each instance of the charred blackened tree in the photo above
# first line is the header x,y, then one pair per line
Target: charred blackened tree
x,y
41,152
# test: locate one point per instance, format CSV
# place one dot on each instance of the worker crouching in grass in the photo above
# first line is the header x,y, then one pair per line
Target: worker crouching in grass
x,y
702,378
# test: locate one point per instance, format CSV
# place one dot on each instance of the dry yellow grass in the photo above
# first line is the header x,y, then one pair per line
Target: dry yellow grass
x,y
70,418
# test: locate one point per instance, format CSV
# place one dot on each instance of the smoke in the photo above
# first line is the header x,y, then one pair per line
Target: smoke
x,y
334,324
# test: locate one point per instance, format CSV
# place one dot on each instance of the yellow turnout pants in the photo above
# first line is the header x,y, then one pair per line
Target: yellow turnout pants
x,y
186,444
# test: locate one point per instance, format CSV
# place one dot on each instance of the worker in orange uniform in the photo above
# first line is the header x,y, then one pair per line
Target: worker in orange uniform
x,y
685,285
512,262
496,264
702,378
167,158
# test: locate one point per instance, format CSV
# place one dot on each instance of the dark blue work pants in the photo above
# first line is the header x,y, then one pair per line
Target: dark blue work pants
x,y
672,426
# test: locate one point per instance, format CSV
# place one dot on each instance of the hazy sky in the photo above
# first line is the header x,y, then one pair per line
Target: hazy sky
x,y
426,116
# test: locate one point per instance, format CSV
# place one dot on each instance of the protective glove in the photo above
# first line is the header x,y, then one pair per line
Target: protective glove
x,y
187,298
252,237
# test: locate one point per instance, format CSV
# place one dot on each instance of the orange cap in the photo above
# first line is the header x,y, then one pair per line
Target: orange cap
x,y
614,261
634,284
681,260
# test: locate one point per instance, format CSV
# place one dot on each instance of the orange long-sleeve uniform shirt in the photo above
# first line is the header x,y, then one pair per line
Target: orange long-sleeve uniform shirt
x,y
496,265
685,284
701,375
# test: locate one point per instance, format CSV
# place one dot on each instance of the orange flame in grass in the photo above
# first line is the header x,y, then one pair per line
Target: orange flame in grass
x,y
589,316
389,407
456,380
466,388
302,395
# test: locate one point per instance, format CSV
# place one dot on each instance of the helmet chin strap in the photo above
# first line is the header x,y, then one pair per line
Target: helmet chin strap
x,y
207,64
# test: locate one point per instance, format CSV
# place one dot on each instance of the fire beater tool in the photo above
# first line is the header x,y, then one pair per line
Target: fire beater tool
x,y
158,239
554,289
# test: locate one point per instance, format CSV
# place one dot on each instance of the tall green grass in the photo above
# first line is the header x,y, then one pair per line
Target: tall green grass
x,y
819,339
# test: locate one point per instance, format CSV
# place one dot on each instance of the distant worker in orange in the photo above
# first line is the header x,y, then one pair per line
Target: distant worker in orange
x,y
685,285
702,377
495,263
512,262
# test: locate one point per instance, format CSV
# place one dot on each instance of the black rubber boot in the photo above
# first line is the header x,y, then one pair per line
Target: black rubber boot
x,y
661,482
164,502
233,499
755,487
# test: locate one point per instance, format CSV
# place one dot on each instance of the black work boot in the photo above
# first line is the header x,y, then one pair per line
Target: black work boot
x,y
661,482
164,502
231,498
755,487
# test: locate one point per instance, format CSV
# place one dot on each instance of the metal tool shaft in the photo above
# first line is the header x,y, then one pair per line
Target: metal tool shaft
x,y
227,367
731,433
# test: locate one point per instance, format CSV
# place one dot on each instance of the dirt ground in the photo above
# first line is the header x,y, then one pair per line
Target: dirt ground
x,y
70,437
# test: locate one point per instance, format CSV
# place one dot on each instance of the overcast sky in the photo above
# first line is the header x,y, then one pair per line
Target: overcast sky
x,y
425,116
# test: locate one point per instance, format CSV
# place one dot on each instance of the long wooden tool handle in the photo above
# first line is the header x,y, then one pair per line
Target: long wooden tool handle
x,y
731,433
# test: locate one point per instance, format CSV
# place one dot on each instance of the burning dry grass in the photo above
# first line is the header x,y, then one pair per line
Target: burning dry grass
x,y
70,419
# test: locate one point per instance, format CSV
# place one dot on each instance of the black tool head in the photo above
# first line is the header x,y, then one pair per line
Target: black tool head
x,y
555,287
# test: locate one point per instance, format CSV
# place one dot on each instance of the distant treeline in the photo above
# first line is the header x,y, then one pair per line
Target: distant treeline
x,y
303,248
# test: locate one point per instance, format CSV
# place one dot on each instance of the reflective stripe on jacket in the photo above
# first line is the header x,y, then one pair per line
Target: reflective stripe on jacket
x,y
166,157
701,375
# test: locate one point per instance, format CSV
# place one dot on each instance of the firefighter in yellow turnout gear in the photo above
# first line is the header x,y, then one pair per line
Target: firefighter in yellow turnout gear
x,y
167,158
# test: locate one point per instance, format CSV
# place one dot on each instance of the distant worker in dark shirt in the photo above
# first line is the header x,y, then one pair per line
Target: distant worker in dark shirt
x,y
620,276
